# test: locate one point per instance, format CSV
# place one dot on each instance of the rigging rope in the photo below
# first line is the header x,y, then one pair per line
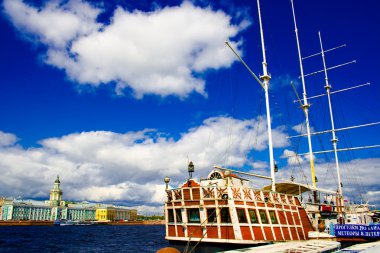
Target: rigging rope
x,y
203,235
258,123
349,156
328,164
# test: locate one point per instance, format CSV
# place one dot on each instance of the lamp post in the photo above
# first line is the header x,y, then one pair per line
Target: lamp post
x,y
167,180
190,169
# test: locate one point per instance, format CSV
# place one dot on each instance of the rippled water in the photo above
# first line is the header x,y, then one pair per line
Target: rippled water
x,y
137,238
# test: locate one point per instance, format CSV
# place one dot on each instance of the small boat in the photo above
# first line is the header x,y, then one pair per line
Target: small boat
x,y
64,222
57,223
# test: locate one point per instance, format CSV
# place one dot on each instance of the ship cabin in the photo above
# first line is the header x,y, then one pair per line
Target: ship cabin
x,y
321,205
224,208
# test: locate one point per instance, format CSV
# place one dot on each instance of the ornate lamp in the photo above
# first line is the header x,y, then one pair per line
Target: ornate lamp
x,y
275,167
190,169
167,180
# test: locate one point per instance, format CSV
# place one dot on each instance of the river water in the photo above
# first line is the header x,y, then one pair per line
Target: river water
x,y
132,238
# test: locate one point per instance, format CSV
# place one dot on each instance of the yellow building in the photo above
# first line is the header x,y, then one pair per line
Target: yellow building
x,y
114,213
133,214
105,213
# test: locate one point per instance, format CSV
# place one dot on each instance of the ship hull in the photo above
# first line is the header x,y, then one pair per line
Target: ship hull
x,y
230,214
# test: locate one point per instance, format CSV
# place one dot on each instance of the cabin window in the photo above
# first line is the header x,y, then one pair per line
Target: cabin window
x,y
178,215
211,215
263,216
241,215
253,216
193,215
225,215
273,217
170,215
215,175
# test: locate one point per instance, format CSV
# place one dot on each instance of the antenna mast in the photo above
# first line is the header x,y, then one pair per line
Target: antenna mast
x,y
305,105
334,139
265,78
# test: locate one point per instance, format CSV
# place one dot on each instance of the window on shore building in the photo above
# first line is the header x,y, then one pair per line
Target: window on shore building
x,y
170,215
273,217
211,215
263,216
178,215
241,215
193,215
253,216
225,215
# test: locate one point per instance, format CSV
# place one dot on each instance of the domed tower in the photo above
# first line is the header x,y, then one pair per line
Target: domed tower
x,y
56,193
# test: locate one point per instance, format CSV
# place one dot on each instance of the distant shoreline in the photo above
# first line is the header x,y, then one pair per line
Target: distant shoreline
x,y
51,223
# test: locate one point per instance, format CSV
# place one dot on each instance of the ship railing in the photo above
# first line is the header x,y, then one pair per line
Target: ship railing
x,y
215,192
321,207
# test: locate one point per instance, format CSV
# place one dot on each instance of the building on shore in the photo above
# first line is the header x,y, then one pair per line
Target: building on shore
x,y
14,210
2,199
106,212
56,209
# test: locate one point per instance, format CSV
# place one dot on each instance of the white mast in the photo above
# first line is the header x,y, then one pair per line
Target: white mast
x,y
265,78
264,82
305,105
334,139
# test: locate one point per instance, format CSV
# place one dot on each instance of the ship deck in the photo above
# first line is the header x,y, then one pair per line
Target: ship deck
x,y
312,246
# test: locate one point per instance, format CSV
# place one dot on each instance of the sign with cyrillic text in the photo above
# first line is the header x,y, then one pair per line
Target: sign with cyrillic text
x,y
353,230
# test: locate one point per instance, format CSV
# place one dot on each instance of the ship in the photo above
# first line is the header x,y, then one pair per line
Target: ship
x,y
333,211
223,211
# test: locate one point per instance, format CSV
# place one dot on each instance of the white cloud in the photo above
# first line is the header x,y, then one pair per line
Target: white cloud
x,y
156,52
55,24
359,177
129,167
301,128
293,158
150,210
260,165
7,139
374,197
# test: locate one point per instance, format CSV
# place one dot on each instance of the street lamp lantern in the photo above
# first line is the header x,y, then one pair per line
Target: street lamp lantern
x,y
275,167
167,180
190,169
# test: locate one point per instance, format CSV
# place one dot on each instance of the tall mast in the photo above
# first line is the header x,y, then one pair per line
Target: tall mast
x,y
334,139
265,78
305,105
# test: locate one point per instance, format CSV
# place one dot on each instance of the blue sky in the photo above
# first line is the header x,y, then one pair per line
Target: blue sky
x,y
113,95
